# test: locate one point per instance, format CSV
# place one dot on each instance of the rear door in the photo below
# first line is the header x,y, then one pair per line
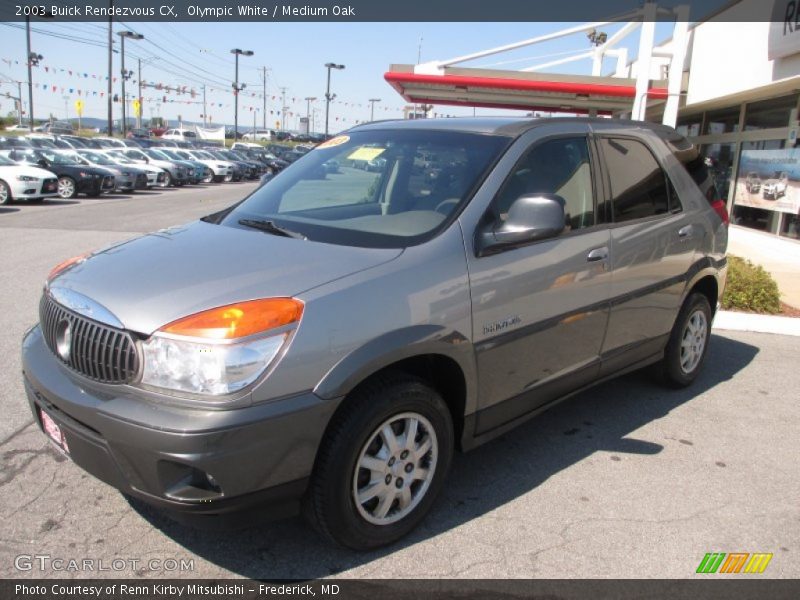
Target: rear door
x,y
540,311
653,244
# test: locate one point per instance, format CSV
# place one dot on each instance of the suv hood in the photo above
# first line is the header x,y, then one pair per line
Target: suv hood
x,y
157,278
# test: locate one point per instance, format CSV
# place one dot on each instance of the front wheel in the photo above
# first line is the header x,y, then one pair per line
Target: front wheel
x,y
167,179
688,343
381,464
5,192
67,188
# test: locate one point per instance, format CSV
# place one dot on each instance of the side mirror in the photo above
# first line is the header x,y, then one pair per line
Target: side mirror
x,y
42,162
530,218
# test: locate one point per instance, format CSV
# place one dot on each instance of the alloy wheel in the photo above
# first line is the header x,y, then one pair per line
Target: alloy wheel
x,y
395,468
693,341
66,187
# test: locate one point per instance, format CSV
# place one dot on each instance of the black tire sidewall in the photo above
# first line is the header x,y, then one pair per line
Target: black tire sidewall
x,y
673,373
8,199
333,498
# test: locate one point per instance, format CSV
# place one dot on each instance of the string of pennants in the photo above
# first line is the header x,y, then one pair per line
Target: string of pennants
x,y
179,90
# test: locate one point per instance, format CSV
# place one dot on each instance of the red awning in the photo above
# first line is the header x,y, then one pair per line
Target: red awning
x,y
517,90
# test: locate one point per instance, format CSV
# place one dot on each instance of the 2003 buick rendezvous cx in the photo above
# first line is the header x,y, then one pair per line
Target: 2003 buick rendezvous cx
x,y
332,339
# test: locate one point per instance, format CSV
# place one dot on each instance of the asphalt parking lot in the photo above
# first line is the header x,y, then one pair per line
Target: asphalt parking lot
x,y
627,480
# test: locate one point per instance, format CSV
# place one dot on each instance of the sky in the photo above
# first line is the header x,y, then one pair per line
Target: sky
x,y
189,55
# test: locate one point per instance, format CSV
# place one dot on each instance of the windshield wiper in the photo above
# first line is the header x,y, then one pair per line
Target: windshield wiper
x,y
271,227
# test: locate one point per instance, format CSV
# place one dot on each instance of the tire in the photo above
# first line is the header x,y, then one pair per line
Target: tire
x,y
688,343
167,179
355,437
67,188
228,178
5,193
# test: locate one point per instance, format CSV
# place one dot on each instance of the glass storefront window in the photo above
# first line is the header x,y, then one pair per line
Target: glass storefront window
x,y
791,227
725,120
769,114
754,206
721,157
690,126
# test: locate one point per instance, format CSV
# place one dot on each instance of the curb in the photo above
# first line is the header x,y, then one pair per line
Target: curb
x,y
737,321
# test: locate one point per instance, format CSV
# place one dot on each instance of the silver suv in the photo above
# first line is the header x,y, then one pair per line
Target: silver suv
x,y
331,340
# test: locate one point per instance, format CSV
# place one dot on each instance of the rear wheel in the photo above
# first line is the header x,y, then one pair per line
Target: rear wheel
x,y
688,343
381,464
5,193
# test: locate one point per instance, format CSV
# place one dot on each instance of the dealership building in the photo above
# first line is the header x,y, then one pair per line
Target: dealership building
x,y
737,95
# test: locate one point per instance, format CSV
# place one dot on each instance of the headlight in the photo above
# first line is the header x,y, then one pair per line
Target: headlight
x,y
26,178
222,350
221,166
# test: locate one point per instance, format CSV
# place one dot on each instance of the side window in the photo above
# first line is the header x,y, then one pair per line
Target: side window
x,y
559,166
638,185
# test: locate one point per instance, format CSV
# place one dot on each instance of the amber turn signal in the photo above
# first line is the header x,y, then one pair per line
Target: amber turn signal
x,y
238,320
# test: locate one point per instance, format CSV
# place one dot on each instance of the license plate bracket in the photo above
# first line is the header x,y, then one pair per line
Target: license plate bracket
x,y
54,431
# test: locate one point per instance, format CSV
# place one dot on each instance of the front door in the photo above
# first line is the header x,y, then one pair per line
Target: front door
x,y
540,311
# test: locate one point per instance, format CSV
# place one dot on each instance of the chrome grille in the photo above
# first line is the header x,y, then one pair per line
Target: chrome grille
x,y
97,351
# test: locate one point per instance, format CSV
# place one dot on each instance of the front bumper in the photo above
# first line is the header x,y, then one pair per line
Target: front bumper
x,y
33,190
162,453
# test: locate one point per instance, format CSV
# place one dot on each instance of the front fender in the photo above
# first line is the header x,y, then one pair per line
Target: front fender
x,y
394,346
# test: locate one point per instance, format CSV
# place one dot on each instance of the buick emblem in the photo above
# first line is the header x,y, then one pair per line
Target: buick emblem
x,y
64,338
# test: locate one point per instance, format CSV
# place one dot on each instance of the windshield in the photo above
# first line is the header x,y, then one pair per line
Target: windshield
x,y
382,189
156,154
5,162
97,158
171,154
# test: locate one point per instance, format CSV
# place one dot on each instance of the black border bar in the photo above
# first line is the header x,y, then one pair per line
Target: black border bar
x,y
357,11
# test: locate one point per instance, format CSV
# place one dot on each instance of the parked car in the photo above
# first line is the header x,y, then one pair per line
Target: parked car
x,y
332,342
200,172
127,178
179,134
17,128
25,182
156,176
776,186
73,177
259,135
143,134
221,170
176,174
63,127
752,183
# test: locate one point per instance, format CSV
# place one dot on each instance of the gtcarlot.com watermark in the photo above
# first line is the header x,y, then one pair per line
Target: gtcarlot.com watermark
x,y
46,563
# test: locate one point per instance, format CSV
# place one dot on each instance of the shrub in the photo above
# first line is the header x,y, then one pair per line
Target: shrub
x,y
750,288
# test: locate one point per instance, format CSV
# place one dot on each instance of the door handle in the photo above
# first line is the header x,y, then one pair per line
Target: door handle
x,y
597,254
685,232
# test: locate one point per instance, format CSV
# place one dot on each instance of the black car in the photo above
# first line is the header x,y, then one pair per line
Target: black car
x,y
292,156
73,178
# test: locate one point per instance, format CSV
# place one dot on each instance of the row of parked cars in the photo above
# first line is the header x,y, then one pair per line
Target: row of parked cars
x,y
41,166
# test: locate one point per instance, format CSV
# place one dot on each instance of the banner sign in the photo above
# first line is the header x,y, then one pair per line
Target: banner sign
x,y
210,134
770,180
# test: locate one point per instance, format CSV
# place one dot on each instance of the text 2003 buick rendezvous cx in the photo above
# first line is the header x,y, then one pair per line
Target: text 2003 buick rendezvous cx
x,y
329,341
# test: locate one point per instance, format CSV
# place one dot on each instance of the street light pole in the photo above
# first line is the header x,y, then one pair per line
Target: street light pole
x,y
141,108
328,96
372,102
236,90
309,100
126,74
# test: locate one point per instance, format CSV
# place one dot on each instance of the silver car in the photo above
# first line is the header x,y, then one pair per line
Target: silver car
x,y
334,338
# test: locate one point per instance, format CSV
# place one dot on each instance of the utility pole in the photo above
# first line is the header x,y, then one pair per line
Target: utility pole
x,y
19,99
309,100
205,116
264,97
141,106
110,90
372,102
283,109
